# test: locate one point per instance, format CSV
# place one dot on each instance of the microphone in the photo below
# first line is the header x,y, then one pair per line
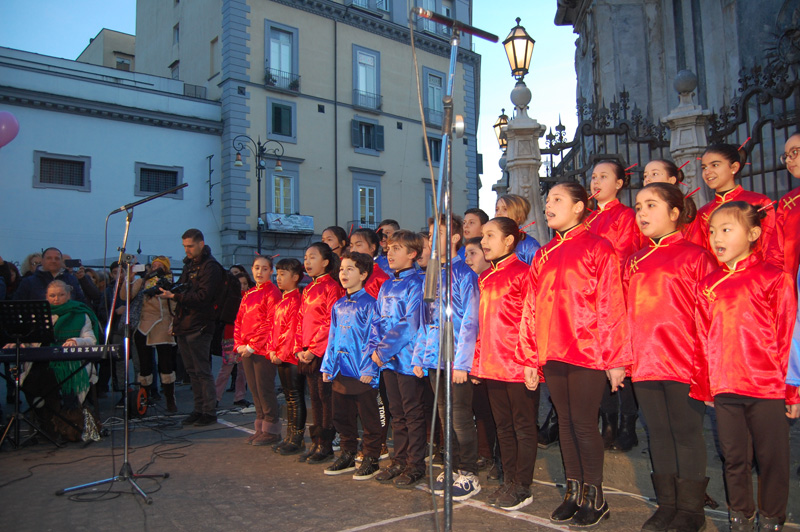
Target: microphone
x,y
452,23
148,198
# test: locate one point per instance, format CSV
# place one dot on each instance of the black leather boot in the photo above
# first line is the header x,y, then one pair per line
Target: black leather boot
x,y
314,431
665,495
593,507
324,447
569,506
169,396
609,423
548,433
626,437
690,498
291,422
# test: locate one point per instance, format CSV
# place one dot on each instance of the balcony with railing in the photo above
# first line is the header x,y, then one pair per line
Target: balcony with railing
x,y
433,117
281,81
367,100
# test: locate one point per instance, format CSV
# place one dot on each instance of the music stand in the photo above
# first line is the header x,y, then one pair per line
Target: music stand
x,y
29,322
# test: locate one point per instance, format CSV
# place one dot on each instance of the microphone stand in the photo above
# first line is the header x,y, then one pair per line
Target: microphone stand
x,y
126,473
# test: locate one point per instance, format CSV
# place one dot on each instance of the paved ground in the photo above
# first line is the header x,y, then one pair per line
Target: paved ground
x,y
218,483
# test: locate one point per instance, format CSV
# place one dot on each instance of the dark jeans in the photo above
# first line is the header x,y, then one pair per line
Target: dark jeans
x,y
576,394
515,409
383,411
487,433
408,417
294,390
675,428
260,375
195,351
350,402
166,360
465,437
764,420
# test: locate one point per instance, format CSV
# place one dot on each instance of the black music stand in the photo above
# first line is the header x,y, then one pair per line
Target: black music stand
x,y
28,322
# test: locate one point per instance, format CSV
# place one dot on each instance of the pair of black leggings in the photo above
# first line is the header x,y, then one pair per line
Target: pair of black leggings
x,y
576,393
675,428
515,410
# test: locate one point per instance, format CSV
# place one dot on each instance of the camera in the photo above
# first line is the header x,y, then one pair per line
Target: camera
x,y
164,283
72,263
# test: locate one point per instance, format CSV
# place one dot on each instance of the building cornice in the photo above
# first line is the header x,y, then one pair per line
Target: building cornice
x,y
78,106
374,23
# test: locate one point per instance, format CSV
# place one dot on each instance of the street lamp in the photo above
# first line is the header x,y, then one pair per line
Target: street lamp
x,y
519,48
261,151
500,131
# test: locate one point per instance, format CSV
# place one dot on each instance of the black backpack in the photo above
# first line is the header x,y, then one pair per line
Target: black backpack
x,y
229,297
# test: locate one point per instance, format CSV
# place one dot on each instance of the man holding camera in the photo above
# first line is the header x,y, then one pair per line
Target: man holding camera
x,y
193,325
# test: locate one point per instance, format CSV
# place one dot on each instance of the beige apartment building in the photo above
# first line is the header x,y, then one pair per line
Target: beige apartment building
x,y
329,89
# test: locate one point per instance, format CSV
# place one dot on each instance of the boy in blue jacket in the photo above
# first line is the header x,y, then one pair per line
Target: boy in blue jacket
x,y
394,333
347,364
465,298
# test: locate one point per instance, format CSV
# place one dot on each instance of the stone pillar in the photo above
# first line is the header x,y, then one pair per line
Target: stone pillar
x,y
688,124
501,187
524,160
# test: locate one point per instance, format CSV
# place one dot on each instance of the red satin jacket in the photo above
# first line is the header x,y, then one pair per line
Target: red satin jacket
x,y
575,309
375,281
745,318
660,284
698,230
616,223
503,287
287,311
255,319
787,234
314,321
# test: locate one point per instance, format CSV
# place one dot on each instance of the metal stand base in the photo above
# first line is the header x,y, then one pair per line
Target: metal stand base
x,y
16,439
126,474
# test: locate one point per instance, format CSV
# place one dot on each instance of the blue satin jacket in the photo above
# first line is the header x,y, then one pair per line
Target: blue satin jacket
x,y
383,262
396,329
466,298
527,248
793,371
350,347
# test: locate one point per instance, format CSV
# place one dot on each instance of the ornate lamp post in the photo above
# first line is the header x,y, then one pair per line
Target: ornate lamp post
x,y
523,132
261,151
499,127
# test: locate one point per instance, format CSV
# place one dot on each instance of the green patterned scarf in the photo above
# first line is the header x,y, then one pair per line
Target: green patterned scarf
x,y
71,319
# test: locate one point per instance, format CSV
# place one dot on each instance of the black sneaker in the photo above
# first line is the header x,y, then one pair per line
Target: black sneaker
x,y
499,492
369,469
344,464
515,498
387,474
192,418
242,402
410,478
205,420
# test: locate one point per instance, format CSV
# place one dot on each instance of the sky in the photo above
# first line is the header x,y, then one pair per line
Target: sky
x,y
63,29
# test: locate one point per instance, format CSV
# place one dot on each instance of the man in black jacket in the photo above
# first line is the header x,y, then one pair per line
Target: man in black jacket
x,y
34,287
193,325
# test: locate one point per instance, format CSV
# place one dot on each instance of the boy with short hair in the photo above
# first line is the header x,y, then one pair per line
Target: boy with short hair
x,y
473,224
394,333
385,230
281,353
427,356
353,374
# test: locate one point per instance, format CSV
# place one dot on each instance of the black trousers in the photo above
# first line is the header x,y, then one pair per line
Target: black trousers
x,y
320,392
195,350
515,410
674,427
167,358
351,401
465,435
576,393
623,401
294,390
764,420
484,421
408,417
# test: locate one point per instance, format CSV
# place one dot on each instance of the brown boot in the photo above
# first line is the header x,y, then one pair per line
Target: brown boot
x,y
169,396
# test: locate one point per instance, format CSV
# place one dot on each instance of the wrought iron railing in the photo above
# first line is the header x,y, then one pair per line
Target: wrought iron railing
x,y
367,100
282,80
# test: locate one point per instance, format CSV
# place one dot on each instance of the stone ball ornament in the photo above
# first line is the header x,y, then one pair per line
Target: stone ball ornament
x,y
685,81
9,127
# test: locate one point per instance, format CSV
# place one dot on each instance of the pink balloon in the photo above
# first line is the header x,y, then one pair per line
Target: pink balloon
x,y
9,127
